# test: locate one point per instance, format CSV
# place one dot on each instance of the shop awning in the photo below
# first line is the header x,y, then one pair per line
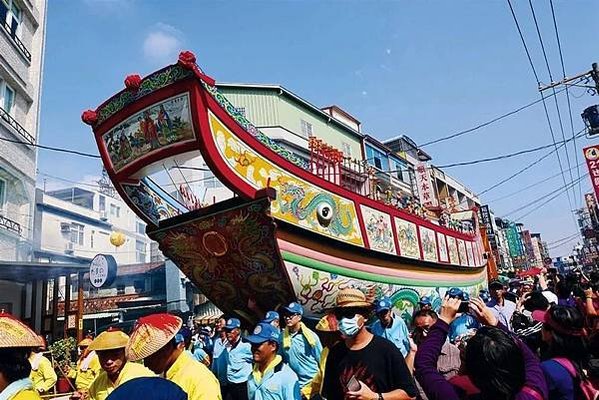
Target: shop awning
x,y
23,272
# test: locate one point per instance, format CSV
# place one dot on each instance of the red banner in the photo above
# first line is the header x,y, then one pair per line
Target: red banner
x,y
591,154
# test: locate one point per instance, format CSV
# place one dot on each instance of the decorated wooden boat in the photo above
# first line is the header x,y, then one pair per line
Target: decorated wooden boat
x,y
288,233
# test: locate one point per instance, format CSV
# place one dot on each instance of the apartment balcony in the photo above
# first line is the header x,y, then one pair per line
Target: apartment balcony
x,y
15,40
26,136
10,225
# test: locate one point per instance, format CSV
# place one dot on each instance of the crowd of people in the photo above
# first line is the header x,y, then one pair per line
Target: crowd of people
x,y
533,339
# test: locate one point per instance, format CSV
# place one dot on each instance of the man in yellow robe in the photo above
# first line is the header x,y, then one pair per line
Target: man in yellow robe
x,y
157,340
88,367
42,373
116,370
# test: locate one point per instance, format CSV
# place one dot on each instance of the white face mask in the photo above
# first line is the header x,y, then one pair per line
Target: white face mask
x,y
349,327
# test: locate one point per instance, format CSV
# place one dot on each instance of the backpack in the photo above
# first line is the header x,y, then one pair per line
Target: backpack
x,y
584,389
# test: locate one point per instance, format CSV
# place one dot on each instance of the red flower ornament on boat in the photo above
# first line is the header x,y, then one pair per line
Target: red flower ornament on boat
x,y
187,60
90,117
132,82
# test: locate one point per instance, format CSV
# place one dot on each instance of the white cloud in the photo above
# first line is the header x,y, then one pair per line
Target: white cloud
x,y
162,44
388,51
364,93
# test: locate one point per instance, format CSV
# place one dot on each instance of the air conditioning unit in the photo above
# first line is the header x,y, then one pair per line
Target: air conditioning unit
x,y
65,227
104,215
69,248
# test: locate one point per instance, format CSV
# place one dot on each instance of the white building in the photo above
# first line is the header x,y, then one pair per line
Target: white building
x,y
75,224
22,36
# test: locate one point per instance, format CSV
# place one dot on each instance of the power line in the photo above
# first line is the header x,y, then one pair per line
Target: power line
x,y
501,157
563,238
521,171
564,190
534,71
58,149
561,57
526,187
559,115
482,125
538,199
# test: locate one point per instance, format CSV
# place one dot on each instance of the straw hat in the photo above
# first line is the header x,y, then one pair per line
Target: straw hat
x,y
14,333
351,298
152,333
85,342
109,340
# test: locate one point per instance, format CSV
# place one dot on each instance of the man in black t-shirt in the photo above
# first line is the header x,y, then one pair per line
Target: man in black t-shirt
x,y
363,366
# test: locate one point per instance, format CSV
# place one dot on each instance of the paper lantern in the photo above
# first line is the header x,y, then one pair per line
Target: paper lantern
x,y
117,239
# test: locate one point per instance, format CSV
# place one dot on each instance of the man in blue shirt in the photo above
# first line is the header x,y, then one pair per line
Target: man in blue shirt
x,y
220,357
390,326
271,379
501,307
301,347
239,362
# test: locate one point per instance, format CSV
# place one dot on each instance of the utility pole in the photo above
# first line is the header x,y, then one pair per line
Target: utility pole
x,y
584,77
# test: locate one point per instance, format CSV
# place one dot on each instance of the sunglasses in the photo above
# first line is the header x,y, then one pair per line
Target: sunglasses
x,y
289,316
347,312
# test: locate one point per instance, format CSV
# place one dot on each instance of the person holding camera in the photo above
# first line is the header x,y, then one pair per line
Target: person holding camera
x,y
464,325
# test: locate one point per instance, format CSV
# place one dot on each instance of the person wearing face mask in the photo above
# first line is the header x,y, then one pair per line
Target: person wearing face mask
x,y
300,348
390,326
363,366
88,366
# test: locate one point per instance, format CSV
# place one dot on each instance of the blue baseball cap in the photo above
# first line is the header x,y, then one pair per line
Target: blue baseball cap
x,y
455,292
425,300
383,304
232,323
295,308
264,332
484,295
271,316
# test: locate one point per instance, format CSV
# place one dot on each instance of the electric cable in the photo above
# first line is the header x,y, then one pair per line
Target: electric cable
x,y
51,148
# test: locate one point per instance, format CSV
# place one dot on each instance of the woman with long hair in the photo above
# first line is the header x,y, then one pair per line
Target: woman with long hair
x,y
565,336
498,366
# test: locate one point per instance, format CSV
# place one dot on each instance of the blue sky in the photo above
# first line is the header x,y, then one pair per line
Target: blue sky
x,y
425,69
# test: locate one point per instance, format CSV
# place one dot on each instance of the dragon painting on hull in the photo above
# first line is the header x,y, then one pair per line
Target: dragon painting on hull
x,y
288,233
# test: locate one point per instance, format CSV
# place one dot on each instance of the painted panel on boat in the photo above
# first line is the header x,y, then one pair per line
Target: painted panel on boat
x,y
470,254
150,130
407,238
316,290
298,202
443,256
463,253
379,230
153,202
476,251
452,247
429,244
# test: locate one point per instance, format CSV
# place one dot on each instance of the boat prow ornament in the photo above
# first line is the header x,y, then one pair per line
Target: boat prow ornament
x,y
291,231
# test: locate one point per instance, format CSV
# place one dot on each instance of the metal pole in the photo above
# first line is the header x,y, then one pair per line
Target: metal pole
x,y
80,307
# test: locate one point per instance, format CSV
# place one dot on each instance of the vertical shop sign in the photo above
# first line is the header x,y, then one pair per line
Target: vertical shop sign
x,y
425,186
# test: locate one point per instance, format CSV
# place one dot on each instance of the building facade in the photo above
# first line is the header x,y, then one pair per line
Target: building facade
x,y
74,224
22,36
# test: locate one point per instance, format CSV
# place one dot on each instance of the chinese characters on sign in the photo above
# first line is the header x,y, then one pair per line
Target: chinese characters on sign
x,y
425,186
591,154
487,221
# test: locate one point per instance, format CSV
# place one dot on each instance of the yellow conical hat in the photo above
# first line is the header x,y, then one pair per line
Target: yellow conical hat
x,y
109,340
14,333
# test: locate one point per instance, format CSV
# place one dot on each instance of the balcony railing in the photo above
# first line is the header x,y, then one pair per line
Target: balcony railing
x,y
16,126
10,225
16,40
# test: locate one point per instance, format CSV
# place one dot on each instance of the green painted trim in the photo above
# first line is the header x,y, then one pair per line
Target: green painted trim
x,y
335,269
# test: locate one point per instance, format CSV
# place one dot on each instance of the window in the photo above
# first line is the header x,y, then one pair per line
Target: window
x,y
140,251
7,96
377,158
306,129
2,195
346,148
77,233
398,169
115,210
141,227
12,15
102,203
